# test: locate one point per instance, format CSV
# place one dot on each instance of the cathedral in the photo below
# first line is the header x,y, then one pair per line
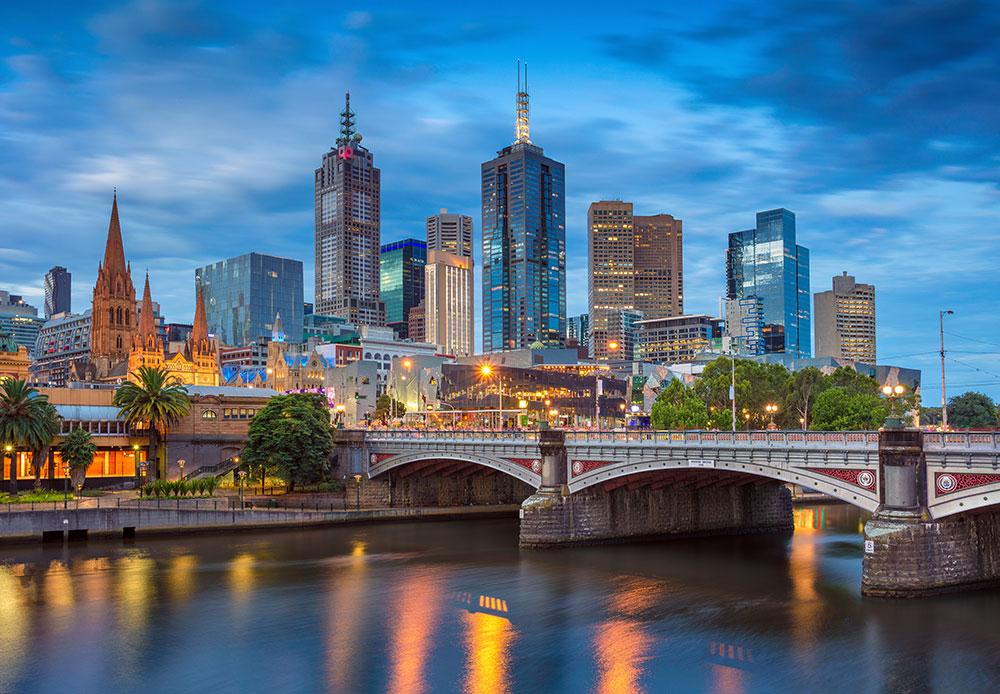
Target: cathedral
x,y
124,337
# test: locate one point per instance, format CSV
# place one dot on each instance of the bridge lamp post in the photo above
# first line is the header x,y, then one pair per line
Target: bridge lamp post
x,y
180,466
243,481
771,410
357,491
486,371
894,395
66,487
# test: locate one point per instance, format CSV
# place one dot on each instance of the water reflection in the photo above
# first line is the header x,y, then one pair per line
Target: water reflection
x,y
622,644
346,588
180,576
488,640
415,613
14,624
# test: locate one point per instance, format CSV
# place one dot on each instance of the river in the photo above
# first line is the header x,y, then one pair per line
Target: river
x,y
455,606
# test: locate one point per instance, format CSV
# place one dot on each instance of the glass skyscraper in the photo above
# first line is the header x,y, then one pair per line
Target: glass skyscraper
x,y
402,280
243,295
766,263
524,243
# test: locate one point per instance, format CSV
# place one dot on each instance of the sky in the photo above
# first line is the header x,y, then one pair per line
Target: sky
x,y
877,124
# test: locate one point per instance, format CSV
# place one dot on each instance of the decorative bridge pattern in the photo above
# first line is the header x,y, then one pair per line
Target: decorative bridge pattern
x,y
963,469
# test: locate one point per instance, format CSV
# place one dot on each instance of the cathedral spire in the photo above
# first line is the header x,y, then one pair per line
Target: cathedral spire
x,y
199,331
278,330
114,250
147,324
522,126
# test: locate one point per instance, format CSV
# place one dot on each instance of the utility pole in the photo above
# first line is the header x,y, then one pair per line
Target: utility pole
x,y
944,392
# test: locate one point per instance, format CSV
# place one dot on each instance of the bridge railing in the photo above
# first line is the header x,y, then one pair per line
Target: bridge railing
x,y
962,440
450,434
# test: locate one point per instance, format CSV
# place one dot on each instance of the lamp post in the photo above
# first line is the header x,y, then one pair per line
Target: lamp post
x,y
771,411
8,452
339,419
66,487
243,479
621,408
893,394
944,392
486,370
180,467
357,491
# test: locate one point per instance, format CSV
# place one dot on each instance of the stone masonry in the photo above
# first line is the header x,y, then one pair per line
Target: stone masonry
x,y
437,491
594,515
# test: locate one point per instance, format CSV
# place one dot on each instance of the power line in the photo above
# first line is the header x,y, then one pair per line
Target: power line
x,y
972,339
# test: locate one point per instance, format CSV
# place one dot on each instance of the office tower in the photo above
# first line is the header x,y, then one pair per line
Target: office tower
x,y
744,326
676,339
449,303
401,273
57,291
659,265
347,190
635,264
845,320
19,320
524,242
113,317
450,232
765,262
578,328
416,324
243,295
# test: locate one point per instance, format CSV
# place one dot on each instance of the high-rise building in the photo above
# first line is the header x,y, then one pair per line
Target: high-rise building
x,y
845,320
676,339
113,317
450,232
745,326
402,281
635,264
765,262
61,342
243,295
347,190
449,303
524,242
58,291
416,324
578,328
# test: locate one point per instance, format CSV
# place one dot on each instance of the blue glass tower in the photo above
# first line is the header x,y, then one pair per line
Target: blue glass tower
x,y
243,295
524,242
766,263
401,267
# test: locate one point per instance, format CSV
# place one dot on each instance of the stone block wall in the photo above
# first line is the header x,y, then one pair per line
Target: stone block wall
x,y
906,556
437,491
595,515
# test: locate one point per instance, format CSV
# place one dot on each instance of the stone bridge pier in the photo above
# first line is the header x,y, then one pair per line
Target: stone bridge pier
x,y
907,552
658,503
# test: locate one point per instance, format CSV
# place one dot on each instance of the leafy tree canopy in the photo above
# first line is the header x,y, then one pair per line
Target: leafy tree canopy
x,y
678,407
292,437
971,410
841,409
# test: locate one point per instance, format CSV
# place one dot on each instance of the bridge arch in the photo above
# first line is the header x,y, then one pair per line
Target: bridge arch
x,y
855,485
448,462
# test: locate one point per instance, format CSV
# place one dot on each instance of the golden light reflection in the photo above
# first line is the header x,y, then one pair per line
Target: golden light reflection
x,y
14,624
241,577
727,680
57,595
344,618
180,576
621,647
134,592
415,615
803,567
488,640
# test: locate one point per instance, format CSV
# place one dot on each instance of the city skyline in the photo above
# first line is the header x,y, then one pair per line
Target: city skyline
x,y
870,213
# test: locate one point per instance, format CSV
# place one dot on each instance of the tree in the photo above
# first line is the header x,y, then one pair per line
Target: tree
x,y
756,385
78,450
155,401
291,436
841,409
27,422
971,410
804,387
40,451
386,407
678,407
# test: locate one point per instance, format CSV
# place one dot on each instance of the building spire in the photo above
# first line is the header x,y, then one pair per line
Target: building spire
x,y
347,132
278,331
522,127
114,250
199,330
147,324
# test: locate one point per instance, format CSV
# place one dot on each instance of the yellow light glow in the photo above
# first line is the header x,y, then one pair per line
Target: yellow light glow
x,y
486,369
407,363
522,404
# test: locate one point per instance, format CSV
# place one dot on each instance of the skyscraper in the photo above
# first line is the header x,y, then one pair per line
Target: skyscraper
x,y
449,302
635,264
767,263
401,271
524,242
347,190
57,291
113,318
845,320
450,232
578,328
243,295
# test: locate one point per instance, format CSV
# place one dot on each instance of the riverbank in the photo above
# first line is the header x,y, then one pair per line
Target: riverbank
x,y
187,517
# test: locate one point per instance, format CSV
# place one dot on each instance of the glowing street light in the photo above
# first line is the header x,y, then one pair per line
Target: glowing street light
x,y
771,411
894,395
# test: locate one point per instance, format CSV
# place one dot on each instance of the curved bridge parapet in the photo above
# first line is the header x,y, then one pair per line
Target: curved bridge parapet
x,y
963,471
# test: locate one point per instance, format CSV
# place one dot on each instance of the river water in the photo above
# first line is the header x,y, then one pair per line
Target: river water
x,y
455,606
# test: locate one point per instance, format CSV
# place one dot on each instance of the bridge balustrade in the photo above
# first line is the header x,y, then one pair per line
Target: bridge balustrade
x,y
976,440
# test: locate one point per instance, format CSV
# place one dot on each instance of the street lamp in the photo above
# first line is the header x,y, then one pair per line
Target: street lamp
x,y
357,492
243,479
180,467
8,451
486,371
771,410
66,487
340,409
894,395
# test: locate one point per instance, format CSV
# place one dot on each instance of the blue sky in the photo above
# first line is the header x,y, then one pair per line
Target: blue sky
x,y
876,124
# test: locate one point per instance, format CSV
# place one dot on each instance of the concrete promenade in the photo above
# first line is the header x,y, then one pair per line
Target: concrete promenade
x,y
187,516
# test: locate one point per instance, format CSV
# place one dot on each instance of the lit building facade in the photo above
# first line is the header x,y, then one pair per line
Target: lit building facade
x,y
450,232
449,303
13,359
676,339
61,342
347,212
20,320
845,320
578,328
58,291
659,265
766,262
243,295
401,269
524,243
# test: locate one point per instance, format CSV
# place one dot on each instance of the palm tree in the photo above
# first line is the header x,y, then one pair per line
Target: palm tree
x,y
78,450
27,422
154,400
